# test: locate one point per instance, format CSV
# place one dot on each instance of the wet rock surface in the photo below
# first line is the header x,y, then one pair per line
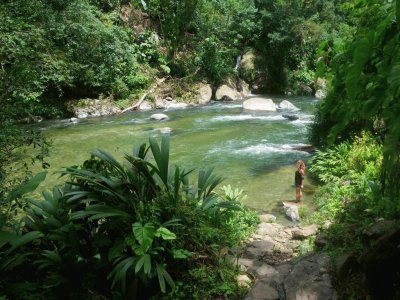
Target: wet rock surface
x,y
271,257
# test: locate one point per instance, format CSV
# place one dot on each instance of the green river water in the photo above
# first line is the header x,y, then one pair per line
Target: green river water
x,y
251,150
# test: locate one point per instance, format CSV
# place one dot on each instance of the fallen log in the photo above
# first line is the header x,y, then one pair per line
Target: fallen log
x,y
151,90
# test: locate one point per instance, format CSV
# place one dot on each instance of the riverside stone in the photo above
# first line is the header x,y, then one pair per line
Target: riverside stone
x,y
267,218
243,281
225,91
287,105
266,270
277,275
301,233
262,291
259,104
307,280
159,117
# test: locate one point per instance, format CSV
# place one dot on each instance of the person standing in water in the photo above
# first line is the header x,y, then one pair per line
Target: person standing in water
x,y
299,179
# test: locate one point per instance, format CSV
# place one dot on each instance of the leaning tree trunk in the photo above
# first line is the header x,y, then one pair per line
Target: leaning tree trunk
x,y
151,90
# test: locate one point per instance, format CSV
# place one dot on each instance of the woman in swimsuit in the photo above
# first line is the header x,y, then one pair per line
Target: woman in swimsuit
x,y
299,179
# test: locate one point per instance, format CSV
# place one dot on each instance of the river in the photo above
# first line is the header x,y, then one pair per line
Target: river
x,y
253,151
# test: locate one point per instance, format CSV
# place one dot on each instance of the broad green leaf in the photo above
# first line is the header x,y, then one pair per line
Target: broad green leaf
x,y
24,239
165,234
28,187
181,253
144,234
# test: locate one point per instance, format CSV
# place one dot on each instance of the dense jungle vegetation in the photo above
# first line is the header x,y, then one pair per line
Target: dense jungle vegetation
x,y
116,229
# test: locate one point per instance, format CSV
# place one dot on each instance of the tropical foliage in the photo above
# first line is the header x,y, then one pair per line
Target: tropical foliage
x,y
365,90
122,230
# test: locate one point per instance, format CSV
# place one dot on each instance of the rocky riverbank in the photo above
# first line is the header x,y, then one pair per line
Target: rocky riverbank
x,y
272,259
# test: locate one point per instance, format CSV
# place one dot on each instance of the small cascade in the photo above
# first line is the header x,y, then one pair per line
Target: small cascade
x,y
238,61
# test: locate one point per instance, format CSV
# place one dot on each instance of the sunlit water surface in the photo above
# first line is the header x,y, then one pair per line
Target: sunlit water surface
x,y
251,150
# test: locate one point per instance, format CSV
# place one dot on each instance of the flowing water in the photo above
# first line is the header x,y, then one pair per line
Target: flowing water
x,y
254,151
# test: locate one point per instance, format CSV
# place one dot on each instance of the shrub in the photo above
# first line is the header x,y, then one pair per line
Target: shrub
x,y
121,229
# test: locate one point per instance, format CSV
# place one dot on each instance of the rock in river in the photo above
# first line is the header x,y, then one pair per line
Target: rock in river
x,y
159,117
261,104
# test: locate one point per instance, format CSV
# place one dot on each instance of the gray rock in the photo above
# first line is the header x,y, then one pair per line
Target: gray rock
x,y
320,87
320,94
225,90
345,264
159,117
264,245
145,105
254,253
243,88
301,233
263,291
268,218
379,228
292,211
81,115
175,105
93,108
226,98
243,281
250,265
287,105
270,229
73,120
160,104
259,104
308,280
291,117
204,94
266,270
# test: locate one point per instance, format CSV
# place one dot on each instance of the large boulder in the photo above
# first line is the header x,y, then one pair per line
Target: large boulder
x,y
175,105
204,94
259,104
145,105
93,108
226,92
287,105
310,280
244,88
320,94
159,117
320,88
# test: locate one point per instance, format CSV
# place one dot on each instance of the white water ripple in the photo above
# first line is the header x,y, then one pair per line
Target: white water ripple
x,y
246,117
271,148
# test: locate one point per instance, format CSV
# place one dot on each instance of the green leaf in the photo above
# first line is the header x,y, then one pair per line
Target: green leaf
x,y
181,253
163,276
161,156
165,234
144,261
104,211
24,239
144,234
6,237
28,187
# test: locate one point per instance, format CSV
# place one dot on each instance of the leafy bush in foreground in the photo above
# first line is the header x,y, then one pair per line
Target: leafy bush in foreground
x,y
120,230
